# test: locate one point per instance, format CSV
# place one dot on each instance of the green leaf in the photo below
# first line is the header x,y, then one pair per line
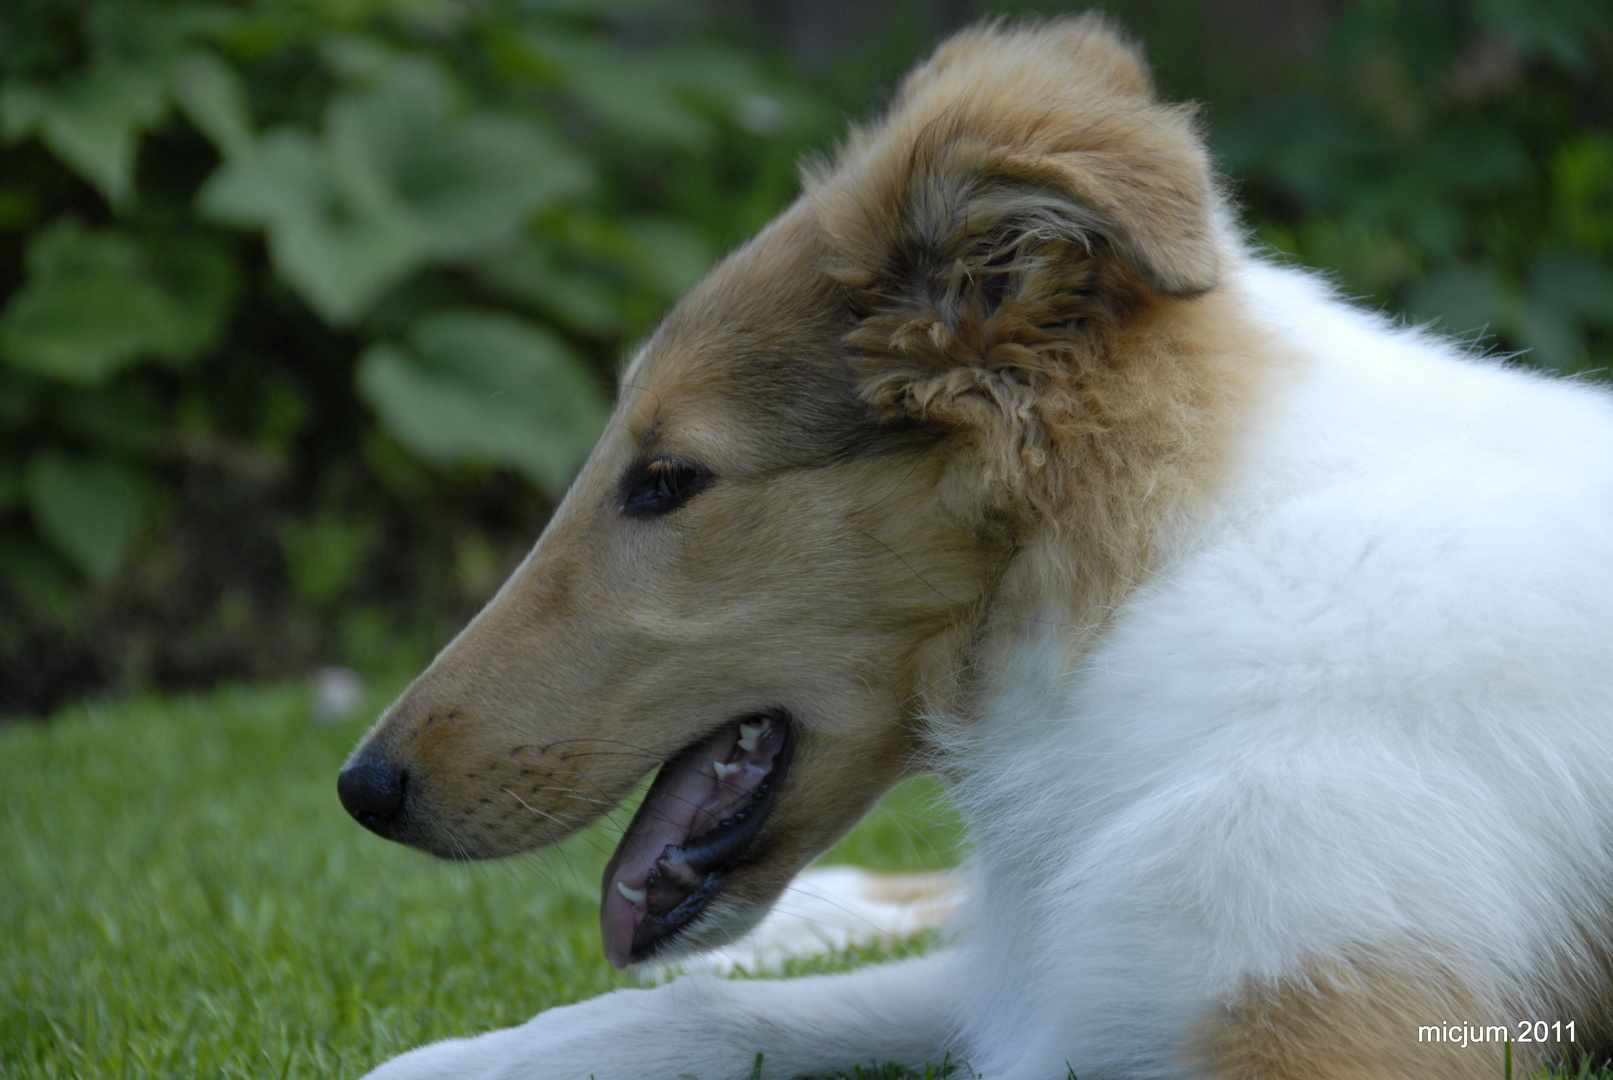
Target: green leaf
x,y
665,96
98,299
1581,285
337,244
94,117
21,397
39,578
210,94
10,485
133,420
661,254
88,507
667,254
1582,191
324,555
395,181
92,120
578,299
154,33
354,58
591,8
1557,30
1567,293
1474,157
469,182
484,387
1464,299
633,96
1551,335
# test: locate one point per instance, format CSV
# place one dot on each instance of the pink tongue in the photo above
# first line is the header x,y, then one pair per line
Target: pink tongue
x,y
683,803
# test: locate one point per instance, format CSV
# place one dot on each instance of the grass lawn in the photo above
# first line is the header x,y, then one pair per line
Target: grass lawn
x,y
182,896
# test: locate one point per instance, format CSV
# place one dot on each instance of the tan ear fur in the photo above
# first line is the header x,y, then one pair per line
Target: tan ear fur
x,y
1049,131
1024,209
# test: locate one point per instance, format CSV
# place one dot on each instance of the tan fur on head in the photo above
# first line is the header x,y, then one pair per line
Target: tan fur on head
x,y
981,362
1028,241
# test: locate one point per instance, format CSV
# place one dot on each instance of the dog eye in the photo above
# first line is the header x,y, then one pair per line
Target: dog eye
x,y
659,487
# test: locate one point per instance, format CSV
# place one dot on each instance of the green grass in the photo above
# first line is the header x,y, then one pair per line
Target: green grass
x,y
182,896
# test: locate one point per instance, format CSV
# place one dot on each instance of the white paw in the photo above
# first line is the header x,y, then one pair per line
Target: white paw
x,y
828,908
660,1034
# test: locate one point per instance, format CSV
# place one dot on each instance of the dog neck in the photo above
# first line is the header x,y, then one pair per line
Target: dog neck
x,y
1139,449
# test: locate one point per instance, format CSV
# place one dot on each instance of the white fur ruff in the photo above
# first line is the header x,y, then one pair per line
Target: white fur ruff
x,y
1368,702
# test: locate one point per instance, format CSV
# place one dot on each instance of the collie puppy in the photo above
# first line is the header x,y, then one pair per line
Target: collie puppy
x,y
1266,646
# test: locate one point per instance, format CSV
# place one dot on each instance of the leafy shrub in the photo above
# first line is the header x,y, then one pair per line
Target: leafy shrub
x,y
1451,160
313,307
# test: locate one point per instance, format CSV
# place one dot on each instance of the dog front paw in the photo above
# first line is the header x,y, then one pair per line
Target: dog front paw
x,y
481,1057
666,1033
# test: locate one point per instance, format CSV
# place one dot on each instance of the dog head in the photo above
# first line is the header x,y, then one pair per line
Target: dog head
x,y
784,552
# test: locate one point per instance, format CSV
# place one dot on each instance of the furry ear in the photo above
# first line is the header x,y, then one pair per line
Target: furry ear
x,y
1023,201
1061,234
1013,154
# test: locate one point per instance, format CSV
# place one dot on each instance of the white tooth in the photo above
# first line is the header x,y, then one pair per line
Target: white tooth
x,y
723,769
749,733
635,896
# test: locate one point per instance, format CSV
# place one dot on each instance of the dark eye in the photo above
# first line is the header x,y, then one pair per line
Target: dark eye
x,y
658,487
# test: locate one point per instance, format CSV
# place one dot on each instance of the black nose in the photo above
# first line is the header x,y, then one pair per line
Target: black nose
x,y
371,788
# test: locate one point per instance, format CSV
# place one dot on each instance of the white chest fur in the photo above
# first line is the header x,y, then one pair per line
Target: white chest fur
x,y
1368,702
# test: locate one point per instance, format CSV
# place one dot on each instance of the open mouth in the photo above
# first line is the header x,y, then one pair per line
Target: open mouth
x,y
696,823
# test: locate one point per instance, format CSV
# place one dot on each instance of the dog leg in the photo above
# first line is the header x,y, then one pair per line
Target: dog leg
x,y
1363,1020
713,1029
829,908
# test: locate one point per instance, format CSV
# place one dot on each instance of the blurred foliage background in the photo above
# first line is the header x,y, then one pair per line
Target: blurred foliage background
x,y
310,308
